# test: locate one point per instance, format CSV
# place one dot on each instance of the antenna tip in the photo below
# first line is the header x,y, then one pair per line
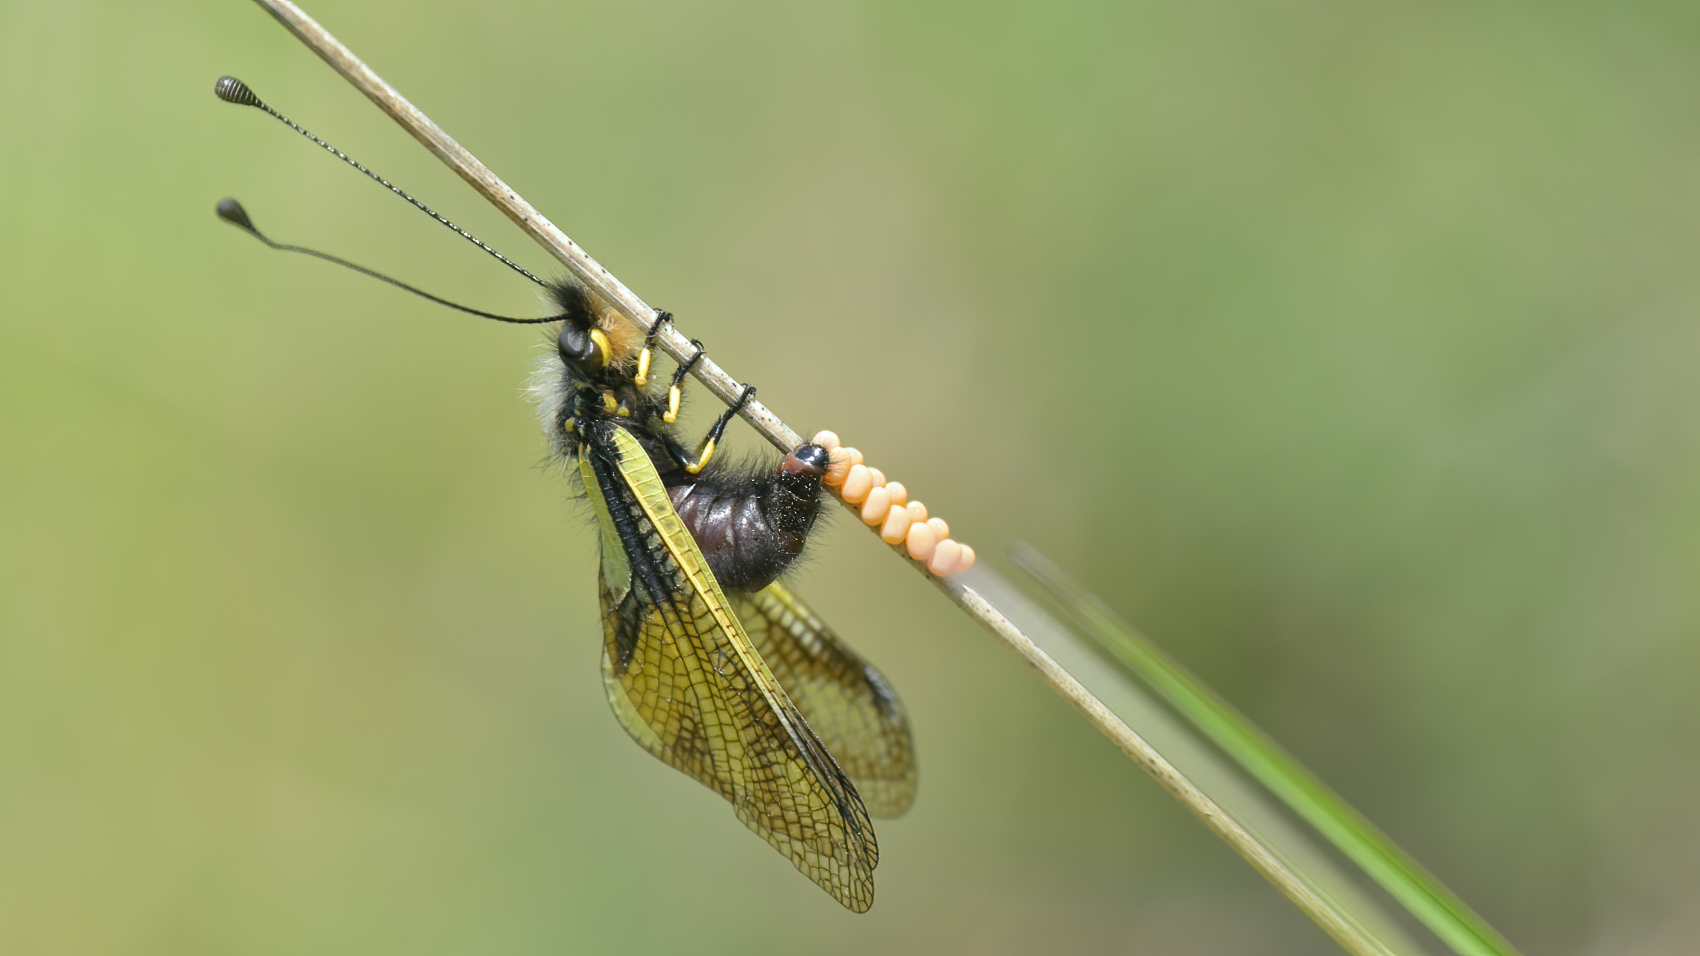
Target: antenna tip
x,y
232,90
232,212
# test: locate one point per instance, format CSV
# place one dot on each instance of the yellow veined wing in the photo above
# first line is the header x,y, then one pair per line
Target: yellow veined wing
x,y
848,704
688,684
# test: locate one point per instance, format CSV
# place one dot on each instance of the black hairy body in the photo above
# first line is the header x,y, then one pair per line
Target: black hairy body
x,y
750,521
750,526
710,663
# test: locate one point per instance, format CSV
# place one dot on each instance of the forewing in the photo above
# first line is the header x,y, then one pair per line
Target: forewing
x,y
688,686
847,703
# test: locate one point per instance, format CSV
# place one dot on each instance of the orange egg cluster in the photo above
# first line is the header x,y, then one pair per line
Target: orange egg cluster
x,y
886,505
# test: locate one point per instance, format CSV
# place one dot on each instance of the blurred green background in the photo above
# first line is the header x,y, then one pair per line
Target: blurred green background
x,y
1347,349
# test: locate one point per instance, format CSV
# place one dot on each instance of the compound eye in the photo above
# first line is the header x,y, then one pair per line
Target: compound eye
x,y
585,349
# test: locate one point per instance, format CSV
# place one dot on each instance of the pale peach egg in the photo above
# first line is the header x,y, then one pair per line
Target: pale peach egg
x,y
920,541
899,494
875,506
945,555
837,468
857,484
896,526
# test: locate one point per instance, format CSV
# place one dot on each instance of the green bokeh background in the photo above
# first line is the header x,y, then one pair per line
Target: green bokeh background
x,y
1348,349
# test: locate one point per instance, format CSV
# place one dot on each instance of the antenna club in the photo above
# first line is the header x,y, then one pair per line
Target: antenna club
x,y
232,212
232,90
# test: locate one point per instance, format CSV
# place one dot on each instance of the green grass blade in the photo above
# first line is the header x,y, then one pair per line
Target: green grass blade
x,y
1231,805
1308,797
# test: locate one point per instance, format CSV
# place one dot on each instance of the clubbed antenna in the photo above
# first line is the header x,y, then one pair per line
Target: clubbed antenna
x,y
232,90
232,212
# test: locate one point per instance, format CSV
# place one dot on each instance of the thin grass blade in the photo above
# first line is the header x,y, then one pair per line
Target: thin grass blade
x,y
1203,781
1435,906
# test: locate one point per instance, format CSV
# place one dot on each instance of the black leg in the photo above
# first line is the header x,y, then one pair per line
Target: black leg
x,y
712,439
673,394
662,317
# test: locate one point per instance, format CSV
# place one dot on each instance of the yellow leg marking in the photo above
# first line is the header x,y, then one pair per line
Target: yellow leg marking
x,y
702,459
672,413
642,377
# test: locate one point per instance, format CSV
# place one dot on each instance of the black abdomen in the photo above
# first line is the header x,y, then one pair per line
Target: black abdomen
x,y
751,527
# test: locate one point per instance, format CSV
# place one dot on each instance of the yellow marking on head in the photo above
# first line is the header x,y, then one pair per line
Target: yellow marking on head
x,y
616,336
604,351
623,411
569,426
624,338
609,402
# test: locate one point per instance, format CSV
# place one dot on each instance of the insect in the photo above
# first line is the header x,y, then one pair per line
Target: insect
x,y
709,661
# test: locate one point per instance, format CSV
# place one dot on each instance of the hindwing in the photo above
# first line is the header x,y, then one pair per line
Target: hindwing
x,y
848,704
